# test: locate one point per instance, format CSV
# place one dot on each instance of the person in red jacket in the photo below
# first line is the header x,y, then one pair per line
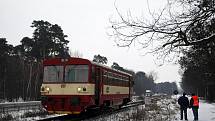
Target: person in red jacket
x,y
194,104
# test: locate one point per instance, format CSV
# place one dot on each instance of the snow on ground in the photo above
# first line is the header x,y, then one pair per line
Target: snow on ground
x,y
162,108
206,112
26,115
134,114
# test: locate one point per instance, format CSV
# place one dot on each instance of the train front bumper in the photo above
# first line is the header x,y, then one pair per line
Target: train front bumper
x,y
66,104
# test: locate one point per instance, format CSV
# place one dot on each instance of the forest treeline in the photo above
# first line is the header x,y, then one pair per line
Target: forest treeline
x,y
21,65
145,82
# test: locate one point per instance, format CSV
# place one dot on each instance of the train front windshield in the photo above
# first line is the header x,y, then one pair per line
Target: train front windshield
x,y
76,73
53,74
72,73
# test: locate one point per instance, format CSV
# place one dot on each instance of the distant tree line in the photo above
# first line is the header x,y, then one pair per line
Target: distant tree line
x,y
21,65
166,88
145,82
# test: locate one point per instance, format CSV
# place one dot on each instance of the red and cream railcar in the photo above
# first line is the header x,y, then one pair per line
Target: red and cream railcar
x,y
73,85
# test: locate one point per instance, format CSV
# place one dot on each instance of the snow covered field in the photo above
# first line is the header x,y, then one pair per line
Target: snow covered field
x,y
164,109
161,109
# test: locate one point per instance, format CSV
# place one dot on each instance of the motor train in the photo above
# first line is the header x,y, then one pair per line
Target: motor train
x,y
74,85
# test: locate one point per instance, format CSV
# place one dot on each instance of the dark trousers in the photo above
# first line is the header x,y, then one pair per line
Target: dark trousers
x,y
184,111
195,112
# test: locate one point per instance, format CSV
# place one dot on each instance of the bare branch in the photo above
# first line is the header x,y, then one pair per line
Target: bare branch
x,y
165,34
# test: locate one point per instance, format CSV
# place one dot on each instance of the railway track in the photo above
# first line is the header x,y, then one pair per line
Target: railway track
x,y
122,109
94,114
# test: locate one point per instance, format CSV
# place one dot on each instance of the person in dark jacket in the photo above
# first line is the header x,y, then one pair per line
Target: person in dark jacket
x,y
184,104
194,104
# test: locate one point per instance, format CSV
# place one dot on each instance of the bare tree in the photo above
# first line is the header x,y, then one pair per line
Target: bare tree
x,y
153,75
168,32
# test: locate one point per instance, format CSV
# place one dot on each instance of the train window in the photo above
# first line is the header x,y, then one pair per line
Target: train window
x,y
105,77
110,74
53,74
76,73
93,75
123,77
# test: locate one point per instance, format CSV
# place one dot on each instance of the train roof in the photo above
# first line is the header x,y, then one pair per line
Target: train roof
x,y
57,59
98,64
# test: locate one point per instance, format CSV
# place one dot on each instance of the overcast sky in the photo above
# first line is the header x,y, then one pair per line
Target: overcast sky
x,y
86,23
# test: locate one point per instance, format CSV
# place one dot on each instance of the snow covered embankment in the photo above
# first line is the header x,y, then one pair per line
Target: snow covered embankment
x,y
160,109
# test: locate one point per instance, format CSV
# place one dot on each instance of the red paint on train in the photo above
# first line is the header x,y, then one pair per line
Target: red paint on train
x,y
97,74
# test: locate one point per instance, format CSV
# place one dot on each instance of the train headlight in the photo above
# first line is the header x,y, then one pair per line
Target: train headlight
x,y
79,89
82,89
47,89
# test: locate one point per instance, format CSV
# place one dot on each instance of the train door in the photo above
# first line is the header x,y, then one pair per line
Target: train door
x,y
97,85
131,86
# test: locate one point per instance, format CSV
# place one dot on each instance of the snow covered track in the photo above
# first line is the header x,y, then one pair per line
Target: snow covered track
x,y
18,106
